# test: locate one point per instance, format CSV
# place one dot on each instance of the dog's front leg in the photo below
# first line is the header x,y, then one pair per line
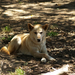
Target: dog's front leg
x,y
37,54
44,50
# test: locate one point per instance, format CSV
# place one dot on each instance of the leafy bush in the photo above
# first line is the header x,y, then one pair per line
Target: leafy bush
x,y
6,29
8,38
52,33
18,72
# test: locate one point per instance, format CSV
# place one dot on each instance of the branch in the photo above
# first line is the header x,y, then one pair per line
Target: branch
x,y
62,70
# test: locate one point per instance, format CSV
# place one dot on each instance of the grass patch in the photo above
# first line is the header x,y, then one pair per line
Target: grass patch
x,y
54,26
6,29
26,63
35,22
52,33
18,71
8,38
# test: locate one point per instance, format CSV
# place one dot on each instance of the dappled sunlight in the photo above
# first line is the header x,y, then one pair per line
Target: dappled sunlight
x,y
46,4
71,34
24,17
72,18
1,10
24,11
60,40
8,13
68,47
11,5
15,12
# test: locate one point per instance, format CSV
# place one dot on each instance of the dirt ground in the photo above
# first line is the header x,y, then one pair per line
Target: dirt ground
x,y
59,14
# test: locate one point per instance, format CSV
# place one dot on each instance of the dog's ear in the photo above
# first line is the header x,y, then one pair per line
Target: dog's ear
x,y
30,26
45,27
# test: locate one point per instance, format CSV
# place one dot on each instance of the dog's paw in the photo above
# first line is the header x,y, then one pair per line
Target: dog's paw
x,y
43,60
52,59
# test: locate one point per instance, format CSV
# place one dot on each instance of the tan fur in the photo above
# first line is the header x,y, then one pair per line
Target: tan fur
x,y
30,44
5,50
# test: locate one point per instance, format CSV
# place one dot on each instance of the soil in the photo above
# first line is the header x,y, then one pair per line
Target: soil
x,y
59,14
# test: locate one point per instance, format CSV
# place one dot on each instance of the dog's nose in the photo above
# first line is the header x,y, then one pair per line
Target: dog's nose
x,y
38,40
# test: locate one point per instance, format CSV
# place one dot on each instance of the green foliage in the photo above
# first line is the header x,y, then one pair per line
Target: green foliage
x,y
18,72
8,38
3,38
54,26
6,29
52,33
35,22
26,63
5,15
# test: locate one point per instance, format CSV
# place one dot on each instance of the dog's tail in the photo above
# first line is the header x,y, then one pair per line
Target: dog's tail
x,y
5,50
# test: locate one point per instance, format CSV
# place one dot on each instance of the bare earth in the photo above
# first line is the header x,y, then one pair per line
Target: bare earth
x,y
59,14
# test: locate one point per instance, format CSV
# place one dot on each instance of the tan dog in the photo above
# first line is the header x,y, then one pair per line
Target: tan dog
x,y
30,44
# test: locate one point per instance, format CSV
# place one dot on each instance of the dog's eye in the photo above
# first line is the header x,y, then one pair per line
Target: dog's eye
x,y
35,32
41,32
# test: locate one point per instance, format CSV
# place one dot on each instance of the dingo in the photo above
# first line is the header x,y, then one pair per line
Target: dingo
x,y
30,44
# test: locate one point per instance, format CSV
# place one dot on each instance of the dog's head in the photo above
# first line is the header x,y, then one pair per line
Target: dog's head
x,y
38,32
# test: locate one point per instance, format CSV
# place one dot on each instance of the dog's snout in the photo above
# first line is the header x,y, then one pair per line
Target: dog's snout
x,y
38,40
